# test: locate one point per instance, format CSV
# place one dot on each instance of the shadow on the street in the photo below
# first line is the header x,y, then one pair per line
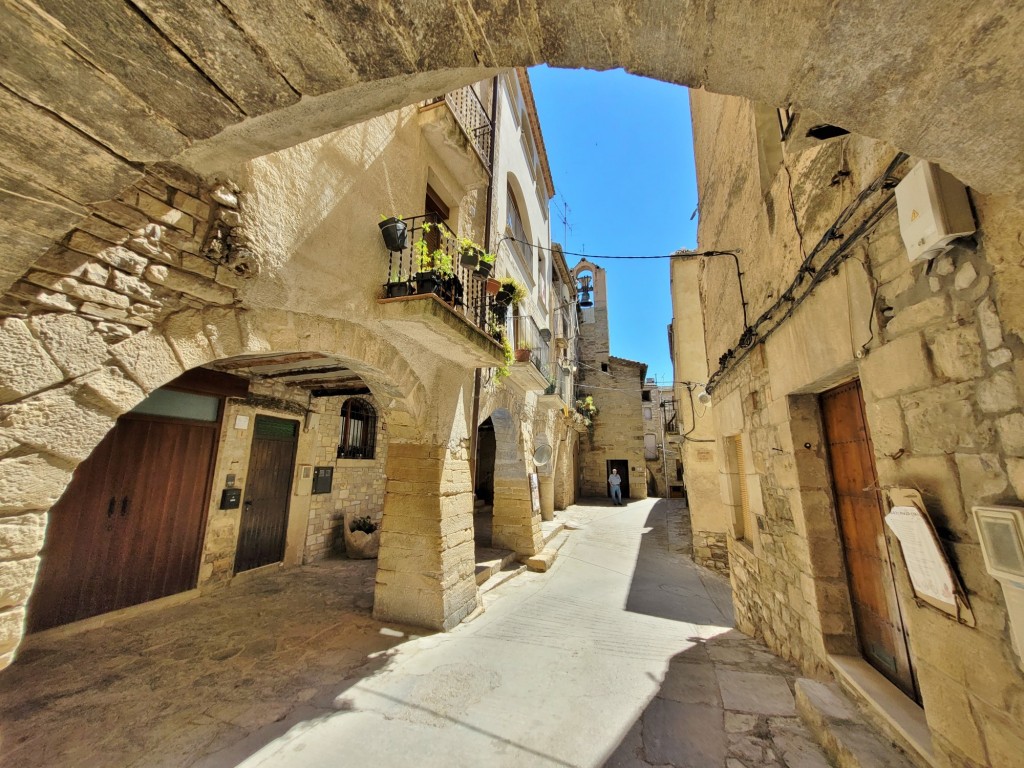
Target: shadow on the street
x,y
665,587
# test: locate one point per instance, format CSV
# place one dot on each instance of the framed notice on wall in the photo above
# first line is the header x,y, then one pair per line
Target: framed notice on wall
x,y
931,576
535,492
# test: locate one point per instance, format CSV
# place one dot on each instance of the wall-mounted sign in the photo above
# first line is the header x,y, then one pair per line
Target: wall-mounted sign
x,y
931,577
535,492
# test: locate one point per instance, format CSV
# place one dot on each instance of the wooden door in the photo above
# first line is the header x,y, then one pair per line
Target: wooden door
x,y
623,466
880,629
264,524
129,528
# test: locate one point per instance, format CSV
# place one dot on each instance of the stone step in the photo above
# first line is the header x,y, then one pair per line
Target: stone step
x,y
544,559
491,562
842,731
505,574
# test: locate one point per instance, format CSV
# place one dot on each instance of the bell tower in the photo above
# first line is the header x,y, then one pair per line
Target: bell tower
x,y
592,299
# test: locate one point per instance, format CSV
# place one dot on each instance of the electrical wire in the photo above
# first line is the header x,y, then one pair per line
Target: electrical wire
x,y
676,255
830,267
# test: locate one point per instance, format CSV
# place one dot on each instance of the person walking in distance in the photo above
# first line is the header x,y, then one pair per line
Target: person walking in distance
x,y
615,481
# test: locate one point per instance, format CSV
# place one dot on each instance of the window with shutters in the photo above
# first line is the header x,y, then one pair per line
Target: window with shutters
x,y
745,522
358,430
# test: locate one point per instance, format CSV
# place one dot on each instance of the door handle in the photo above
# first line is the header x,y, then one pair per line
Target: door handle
x,y
124,506
110,507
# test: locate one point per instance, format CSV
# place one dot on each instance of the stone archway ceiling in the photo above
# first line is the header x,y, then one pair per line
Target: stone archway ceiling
x,y
93,91
322,375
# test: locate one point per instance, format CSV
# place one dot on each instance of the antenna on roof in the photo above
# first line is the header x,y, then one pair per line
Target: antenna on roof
x,y
563,216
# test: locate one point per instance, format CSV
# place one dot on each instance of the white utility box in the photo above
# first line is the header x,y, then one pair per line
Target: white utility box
x,y
933,210
1001,531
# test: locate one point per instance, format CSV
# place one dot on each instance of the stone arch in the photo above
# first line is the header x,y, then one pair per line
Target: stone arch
x,y
46,434
278,78
515,525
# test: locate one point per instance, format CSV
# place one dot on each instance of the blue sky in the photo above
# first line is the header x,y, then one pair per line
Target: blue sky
x,y
621,154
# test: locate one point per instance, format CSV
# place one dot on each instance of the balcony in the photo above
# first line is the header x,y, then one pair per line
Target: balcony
x,y
459,129
533,372
432,295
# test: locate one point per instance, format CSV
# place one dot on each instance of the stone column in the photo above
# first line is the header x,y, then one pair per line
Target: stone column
x,y
426,567
516,527
547,497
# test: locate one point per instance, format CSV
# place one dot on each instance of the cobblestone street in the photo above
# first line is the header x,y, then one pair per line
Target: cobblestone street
x,y
621,655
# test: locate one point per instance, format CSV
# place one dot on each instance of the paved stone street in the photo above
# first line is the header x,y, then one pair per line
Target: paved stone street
x,y
621,655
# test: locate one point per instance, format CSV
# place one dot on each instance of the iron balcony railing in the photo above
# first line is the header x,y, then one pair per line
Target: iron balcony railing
x,y
471,115
431,263
527,334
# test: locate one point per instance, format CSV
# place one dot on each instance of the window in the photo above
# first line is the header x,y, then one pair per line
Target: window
x,y
604,367
514,221
744,526
645,395
358,430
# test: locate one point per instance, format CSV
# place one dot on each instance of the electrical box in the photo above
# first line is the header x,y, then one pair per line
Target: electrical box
x,y
323,477
933,211
1001,531
231,498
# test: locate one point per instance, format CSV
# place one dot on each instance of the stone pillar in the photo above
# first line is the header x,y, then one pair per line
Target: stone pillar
x,y
426,567
547,497
516,527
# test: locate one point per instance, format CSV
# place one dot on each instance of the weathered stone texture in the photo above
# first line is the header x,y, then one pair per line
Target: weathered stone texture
x,y
24,365
943,409
358,483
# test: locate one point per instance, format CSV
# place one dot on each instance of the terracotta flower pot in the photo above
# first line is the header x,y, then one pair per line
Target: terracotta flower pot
x,y
522,355
492,286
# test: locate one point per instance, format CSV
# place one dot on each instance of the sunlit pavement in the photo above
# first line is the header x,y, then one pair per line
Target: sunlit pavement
x,y
622,654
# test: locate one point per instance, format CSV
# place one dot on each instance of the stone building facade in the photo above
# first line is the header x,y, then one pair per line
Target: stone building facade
x,y
260,299
842,329
616,436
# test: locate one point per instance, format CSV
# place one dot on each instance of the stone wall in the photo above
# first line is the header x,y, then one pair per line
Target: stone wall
x,y
618,430
358,483
937,350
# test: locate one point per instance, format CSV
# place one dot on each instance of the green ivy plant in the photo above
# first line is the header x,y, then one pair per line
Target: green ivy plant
x,y
502,373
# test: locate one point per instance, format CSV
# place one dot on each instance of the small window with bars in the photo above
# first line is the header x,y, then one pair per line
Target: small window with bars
x,y
358,430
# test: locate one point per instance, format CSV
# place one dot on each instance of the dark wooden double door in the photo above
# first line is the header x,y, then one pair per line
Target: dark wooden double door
x,y
129,528
880,628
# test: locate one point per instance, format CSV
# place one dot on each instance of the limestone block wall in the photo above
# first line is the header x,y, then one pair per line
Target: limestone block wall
x,y
937,348
618,431
358,483
76,349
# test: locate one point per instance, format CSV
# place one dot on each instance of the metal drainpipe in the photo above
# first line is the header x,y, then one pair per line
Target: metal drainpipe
x,y
474,443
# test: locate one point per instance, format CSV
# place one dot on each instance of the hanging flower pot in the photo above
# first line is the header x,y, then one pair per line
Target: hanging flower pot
x,y
469,256
503,298
483,269
394,231
492,286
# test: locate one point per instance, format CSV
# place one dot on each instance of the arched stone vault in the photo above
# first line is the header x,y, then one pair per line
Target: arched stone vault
x,y
101,89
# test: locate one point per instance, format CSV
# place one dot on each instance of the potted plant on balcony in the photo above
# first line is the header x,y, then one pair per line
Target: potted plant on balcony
x,y
503,371
510,292
469,253
436,270
484,266
394,231
396,287
523,352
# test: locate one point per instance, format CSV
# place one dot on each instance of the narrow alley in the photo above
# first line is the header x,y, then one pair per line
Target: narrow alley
x,y
622,655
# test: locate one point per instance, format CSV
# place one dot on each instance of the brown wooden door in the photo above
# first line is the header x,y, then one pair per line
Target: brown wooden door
x,y
129,527
268,486
876,611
